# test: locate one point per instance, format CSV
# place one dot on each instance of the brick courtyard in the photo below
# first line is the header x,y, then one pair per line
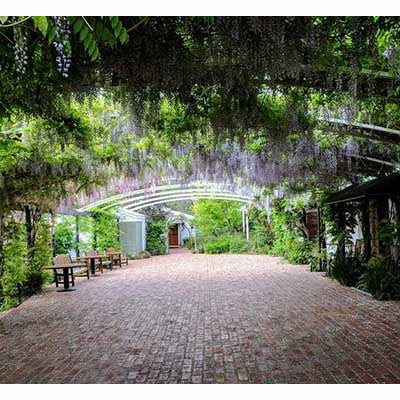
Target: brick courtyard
x,y
186,318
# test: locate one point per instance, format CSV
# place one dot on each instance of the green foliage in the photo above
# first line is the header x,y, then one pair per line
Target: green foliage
x,y
156,236
235,244
217,245
217,217
65,237
105,230
262,234
288,241
347,271
381,279
13,264
142,255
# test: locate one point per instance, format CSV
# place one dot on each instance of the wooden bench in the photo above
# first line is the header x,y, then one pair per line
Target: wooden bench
x,y
63,262
115,257
98,260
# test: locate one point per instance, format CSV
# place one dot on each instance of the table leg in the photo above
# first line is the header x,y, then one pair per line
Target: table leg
x,y
66,281
93,266
120,260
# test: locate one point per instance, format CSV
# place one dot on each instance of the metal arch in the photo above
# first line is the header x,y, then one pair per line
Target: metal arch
x,y
159,192
166,199
177,193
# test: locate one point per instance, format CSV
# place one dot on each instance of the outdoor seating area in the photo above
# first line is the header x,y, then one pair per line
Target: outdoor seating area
x,y
63,266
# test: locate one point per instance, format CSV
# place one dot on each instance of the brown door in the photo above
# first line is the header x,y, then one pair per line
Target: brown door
x,y
173,235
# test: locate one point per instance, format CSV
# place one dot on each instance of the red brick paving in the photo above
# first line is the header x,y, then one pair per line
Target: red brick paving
x,y
186,318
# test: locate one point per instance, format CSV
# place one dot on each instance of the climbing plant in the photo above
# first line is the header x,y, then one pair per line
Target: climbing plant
x,y
105,230
156,236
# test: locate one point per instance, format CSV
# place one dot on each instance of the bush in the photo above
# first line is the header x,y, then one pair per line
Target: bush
x,y
156,237
217,246
142,255
239,244
105,230
380,280
228,244
64,237
347,271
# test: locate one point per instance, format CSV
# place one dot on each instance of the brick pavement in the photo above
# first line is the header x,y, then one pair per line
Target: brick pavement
x,y
186,318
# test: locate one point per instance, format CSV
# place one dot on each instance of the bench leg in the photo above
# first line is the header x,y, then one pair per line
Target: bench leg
x,y
56,277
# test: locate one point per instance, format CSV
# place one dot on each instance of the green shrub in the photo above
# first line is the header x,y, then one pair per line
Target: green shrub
x,y
239,244
347,271
64,236
14,266
228,244
380,280
142,255
156,237
217,246
105,230
214,218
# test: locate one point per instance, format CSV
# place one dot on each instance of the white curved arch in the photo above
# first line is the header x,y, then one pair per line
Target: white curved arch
x,y
174,195
166,199
141,198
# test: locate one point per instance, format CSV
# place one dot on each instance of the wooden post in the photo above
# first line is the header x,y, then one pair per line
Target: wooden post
x,y
341,249
118,231
366,230
94,233
374,227
53,233
77,251
321,239
30,240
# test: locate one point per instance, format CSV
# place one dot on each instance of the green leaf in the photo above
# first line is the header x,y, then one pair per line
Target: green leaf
x,y
114,21
78,25
84,33
95,54
118,29
92,46
42,24
51,33
123,37
3,19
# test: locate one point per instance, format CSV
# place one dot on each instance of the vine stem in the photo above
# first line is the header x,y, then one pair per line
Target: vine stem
x,y
14,23
87,23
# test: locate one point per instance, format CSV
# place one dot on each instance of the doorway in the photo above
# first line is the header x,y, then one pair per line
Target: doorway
x,y
173,239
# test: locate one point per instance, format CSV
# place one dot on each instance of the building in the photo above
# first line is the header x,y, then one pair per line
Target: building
x,y
132,230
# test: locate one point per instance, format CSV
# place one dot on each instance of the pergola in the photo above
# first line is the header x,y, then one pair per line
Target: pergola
x,y
153,196
136,200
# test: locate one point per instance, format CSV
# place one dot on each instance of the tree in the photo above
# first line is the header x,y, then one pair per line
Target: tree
x,y
217,217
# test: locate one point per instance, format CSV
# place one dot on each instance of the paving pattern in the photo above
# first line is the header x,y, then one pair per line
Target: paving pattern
x,y
186,318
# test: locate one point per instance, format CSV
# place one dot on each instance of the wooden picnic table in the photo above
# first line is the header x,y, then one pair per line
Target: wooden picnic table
x,y
111,256
92,260
66,268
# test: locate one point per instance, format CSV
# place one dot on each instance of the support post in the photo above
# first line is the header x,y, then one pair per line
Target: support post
x,y
77,251
341,250
374,227
53,233
366,230
243,221
247,226
30,240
